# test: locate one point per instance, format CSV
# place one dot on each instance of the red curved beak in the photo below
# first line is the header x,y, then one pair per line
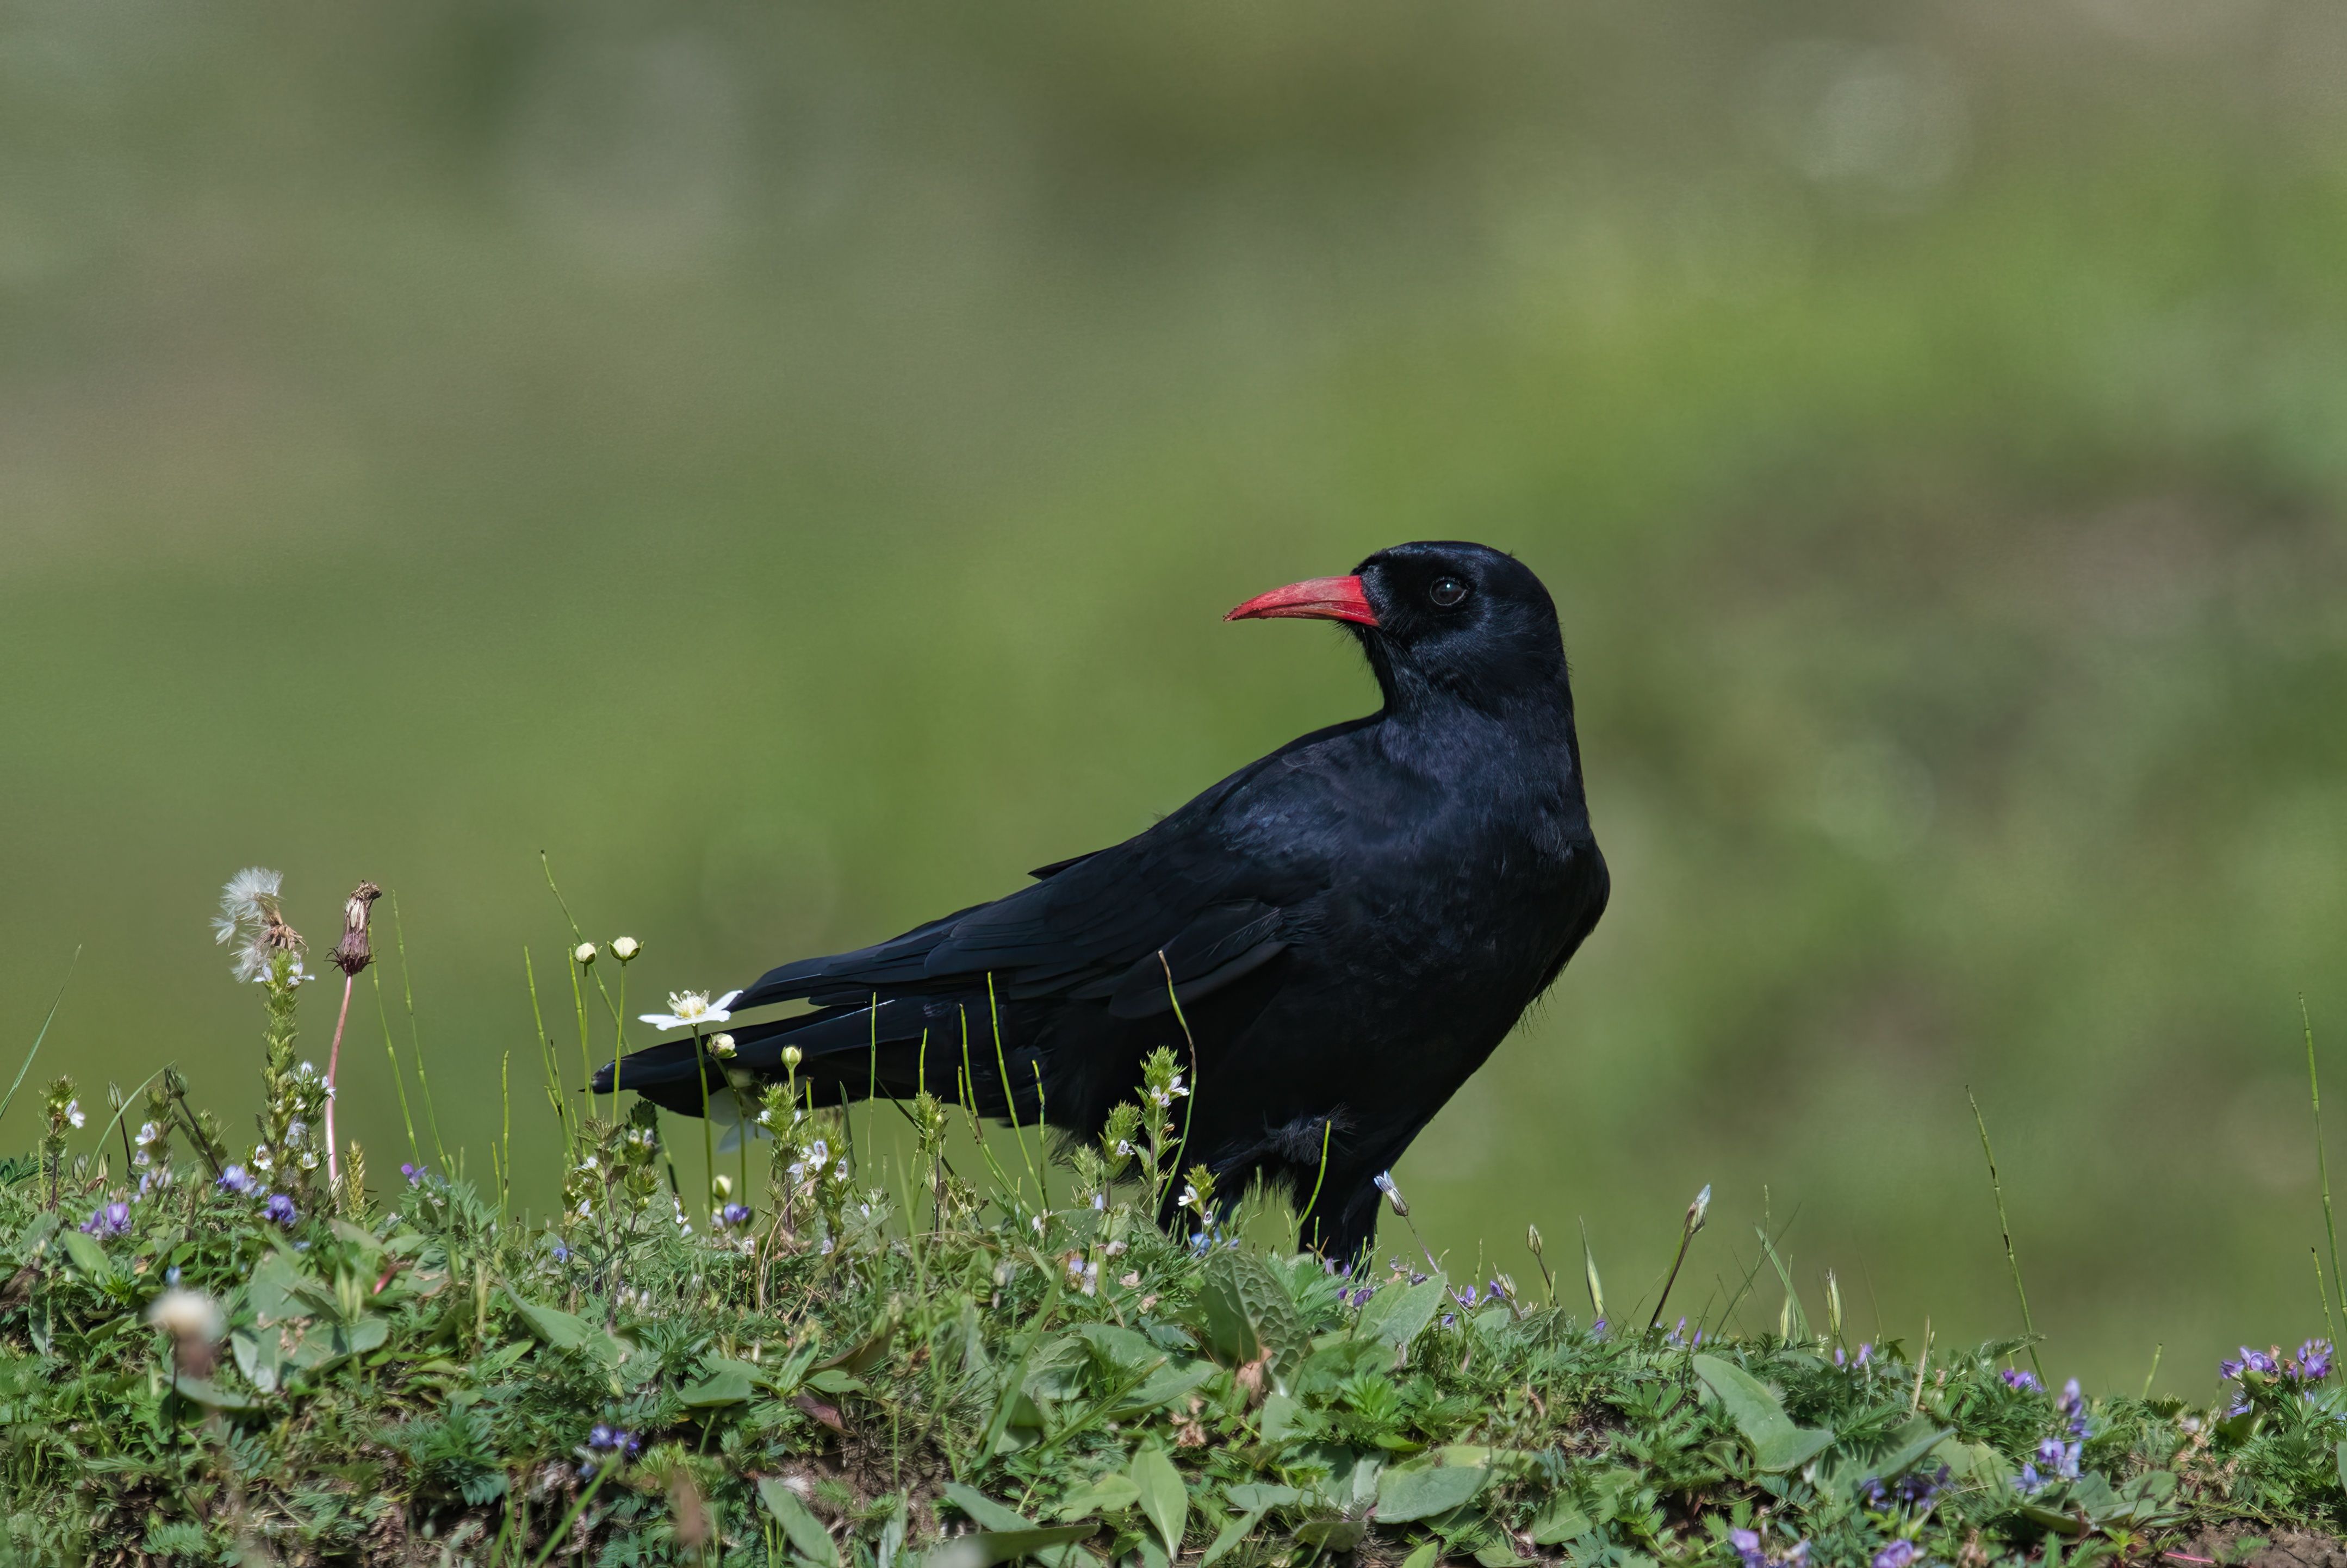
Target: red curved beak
x,y
1321,599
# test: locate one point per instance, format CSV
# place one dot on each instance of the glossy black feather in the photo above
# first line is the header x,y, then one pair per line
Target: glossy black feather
x,y
1351,925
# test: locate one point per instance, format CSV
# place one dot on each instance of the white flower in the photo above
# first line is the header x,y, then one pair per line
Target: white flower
x,y
72,1113
625,948
1189,1198
1383,1181
1099,1200
187,1315
583,954
1123,1149
721,1045
821,1151
586,1210
296,1130
689,1009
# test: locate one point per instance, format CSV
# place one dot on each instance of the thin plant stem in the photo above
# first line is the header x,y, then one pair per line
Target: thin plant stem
x,y
398,1079
586,1050
2005,1227
505,1101
1686,1234
8,1099
414,1041
1327,1126
708,1135
2330,1324
2147,1377
553,1070
334,1064
2321,1159
1009,1095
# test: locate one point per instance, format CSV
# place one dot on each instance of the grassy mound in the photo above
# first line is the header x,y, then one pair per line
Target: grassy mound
x,y
209,1356
416,1379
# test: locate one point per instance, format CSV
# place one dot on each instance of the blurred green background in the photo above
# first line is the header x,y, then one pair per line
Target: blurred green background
x,y
788,461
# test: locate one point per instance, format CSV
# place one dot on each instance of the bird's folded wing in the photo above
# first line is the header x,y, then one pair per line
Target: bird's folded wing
x,y
1093,932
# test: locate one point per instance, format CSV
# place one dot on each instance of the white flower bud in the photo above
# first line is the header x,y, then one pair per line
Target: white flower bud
x,y
721,1044
583,954
792,1057
625,948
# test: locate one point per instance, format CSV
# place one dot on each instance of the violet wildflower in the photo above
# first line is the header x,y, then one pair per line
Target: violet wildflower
x,y
2071,1405
733,1215
2062,1457
280,1208
414,1174
1898,1554
2315,1360
1747,1544
1467,1297
2028,1481
2015,1378
1865,1352
1598,1329
234,1180
108,1220
1448,1318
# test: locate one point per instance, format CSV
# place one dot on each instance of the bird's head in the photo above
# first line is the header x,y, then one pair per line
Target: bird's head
x,y
1442,617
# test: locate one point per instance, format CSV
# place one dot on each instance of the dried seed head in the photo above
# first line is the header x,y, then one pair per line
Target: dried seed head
x,y
352,953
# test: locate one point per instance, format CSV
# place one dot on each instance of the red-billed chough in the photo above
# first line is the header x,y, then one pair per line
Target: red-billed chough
x,y
1351,924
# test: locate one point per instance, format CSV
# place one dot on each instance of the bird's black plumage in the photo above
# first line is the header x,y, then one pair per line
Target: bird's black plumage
x,y
1351,924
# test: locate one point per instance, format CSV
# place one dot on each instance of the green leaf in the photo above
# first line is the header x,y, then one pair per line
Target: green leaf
x,y
1560,1521
87,1258
832,1380
1333,1535
1003,1534
1776,1442
1108,1493
1280,1417
204,1393
1423,1555
1500,1554
1253,1500
727,1386
1399,1316
558,1329
1163,1386
807,1535
1163,1499
275,1292
1404,1495
2341,1454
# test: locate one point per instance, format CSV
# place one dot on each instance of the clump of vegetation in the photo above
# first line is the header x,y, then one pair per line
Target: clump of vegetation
x,y
207,1357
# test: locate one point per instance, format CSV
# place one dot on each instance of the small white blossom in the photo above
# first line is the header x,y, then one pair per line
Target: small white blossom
x,y
72,1113
625,948
721,1045
689,1010
583,954
1189,1198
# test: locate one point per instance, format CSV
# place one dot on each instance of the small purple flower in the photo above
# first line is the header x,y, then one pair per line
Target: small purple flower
x,y
1865,1352
109,1220
1796,1555
2028,1481
605,1440
1898,1554
1417,1279
234,1180
1747,1548
2025,1381
561,1252
2315,1360
1839,1359
1448,1318
1467,1297
2072,1406
414,1174
280,1208
2063,1457
733,1215
1598,1329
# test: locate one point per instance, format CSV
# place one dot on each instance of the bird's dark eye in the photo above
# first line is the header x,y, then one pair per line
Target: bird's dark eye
x,y
1447,593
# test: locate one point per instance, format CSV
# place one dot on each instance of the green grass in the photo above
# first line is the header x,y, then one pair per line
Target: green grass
x,y
897,1360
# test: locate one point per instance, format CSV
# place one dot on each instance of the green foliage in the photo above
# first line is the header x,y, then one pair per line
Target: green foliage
x,y
840,1397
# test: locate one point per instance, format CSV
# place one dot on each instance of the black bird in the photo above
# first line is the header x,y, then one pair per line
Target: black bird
x,y
1351,924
